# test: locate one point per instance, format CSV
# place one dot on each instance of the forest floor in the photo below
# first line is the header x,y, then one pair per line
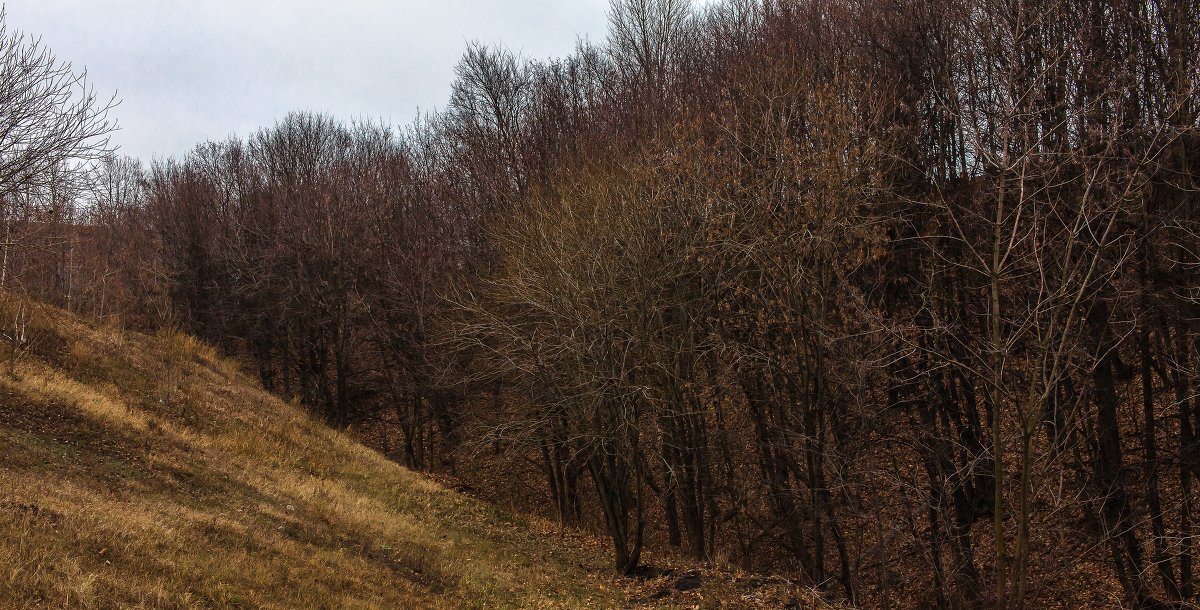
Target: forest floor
x,y
146,471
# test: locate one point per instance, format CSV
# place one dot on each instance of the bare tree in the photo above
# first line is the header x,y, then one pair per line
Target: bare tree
x,y
50,119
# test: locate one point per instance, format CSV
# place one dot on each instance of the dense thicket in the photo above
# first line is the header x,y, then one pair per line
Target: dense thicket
x,y
901,297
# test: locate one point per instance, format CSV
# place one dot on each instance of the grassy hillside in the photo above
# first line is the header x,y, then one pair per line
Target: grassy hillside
x,y
145,471
148,472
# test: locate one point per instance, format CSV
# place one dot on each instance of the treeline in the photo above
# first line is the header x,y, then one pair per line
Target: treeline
x,y
899,297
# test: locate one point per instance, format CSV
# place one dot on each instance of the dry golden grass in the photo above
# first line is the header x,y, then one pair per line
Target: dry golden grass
x,y
147,472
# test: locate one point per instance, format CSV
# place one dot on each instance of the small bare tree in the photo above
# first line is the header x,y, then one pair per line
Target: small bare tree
x,y
51,124
49,114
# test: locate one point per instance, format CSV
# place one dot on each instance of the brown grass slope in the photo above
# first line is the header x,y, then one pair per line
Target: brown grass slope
x,y
147,472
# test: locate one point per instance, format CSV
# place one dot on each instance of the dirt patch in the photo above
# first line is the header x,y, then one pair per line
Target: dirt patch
x,y
50,435
65,425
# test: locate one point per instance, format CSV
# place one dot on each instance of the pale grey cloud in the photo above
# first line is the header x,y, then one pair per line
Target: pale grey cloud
x,y
195,70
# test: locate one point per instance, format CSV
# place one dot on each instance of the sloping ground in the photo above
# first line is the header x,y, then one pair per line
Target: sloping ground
x,y
145,471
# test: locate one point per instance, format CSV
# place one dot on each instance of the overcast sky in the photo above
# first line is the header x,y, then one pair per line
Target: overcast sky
x,y
194,70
